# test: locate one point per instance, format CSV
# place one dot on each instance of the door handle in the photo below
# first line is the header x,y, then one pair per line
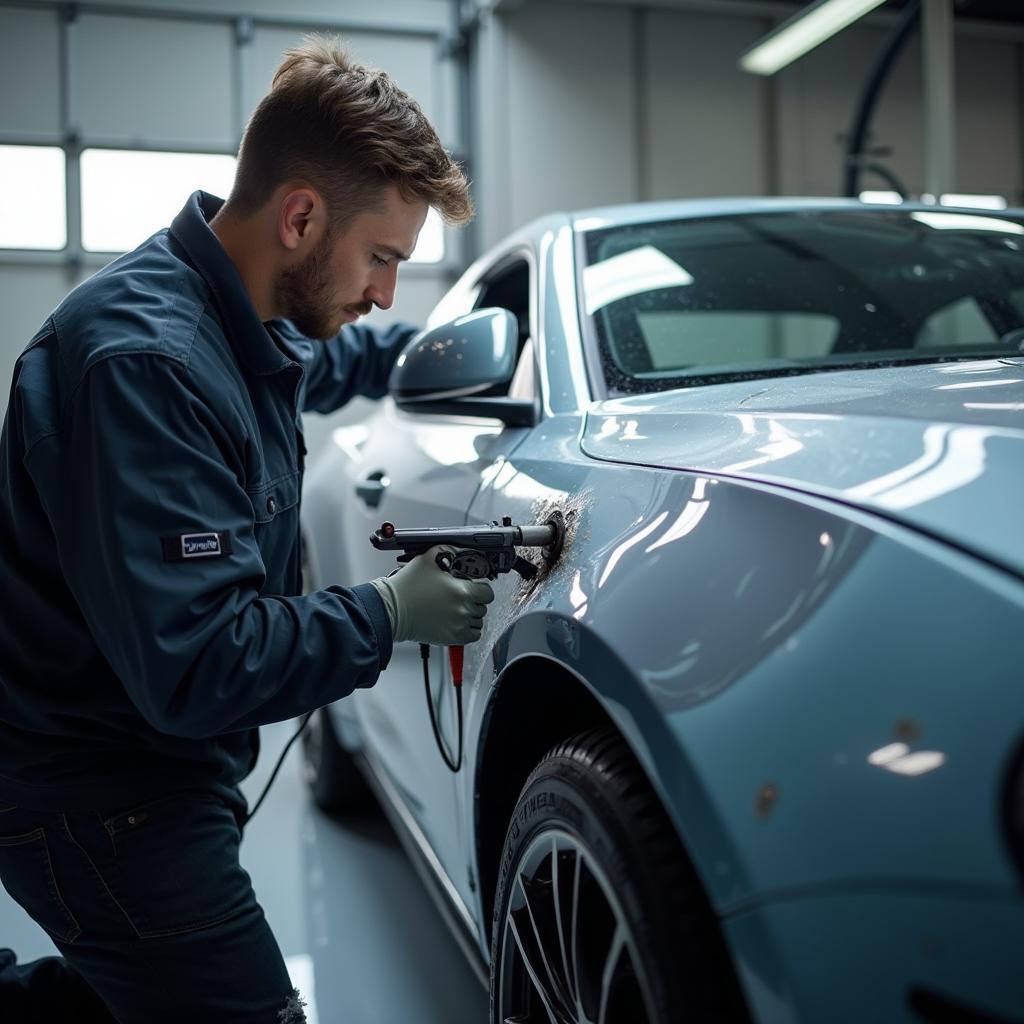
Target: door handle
x,y
372,489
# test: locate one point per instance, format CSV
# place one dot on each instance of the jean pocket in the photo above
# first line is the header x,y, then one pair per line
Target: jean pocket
x,y
27,874
171,865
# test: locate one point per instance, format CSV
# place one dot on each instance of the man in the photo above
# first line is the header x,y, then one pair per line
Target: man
x,y
150,472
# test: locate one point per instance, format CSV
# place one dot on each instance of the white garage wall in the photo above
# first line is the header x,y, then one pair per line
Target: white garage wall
x,y
569,98
990,116
816,100
817,94
29,71
707,125
128,81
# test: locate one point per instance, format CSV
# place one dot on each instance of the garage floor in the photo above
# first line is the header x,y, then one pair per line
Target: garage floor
x,y
362,938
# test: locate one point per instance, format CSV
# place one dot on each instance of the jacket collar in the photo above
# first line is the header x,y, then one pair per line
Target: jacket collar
x,y
249,338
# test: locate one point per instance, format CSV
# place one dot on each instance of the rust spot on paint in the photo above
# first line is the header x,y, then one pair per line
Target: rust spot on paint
x,y
767,797
907,730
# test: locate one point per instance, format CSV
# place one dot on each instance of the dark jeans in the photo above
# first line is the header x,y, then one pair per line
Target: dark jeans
x,y
155,918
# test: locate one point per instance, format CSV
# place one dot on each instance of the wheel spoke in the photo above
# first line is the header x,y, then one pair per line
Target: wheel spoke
x,y
531,970
611,960
558,987
574,943
569,954
556,898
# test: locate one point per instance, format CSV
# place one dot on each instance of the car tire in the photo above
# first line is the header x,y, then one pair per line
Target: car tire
x,y
335,781
597,902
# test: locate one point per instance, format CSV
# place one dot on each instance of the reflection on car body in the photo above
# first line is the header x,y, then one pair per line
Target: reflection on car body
x,y
772,687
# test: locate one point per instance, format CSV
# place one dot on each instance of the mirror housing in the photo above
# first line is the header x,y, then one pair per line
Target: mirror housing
x,y
445,370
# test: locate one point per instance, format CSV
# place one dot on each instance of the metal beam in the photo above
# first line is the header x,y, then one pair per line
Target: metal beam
x,y
939,112
70,139
72,143
169,12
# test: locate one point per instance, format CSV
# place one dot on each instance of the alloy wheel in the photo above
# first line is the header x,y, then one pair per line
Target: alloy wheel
x,y
568,955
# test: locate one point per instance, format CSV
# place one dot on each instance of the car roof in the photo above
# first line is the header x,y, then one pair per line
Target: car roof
x,y
636,213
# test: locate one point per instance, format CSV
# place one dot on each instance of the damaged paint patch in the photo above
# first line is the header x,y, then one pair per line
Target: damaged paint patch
x,y
541,511
513,602
572,510
293,1012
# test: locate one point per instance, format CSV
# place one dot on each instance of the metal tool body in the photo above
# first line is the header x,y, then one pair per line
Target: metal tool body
x,y
481,552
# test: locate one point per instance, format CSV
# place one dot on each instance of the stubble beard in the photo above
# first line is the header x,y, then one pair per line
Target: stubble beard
x,y
304,294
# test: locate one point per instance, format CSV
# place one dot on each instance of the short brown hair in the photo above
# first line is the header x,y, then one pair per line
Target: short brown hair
x,y
348,131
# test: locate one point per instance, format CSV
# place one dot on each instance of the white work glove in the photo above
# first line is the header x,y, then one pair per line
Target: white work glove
x,y
431,606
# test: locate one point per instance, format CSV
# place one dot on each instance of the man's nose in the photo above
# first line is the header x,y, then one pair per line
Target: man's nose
x,y
382,292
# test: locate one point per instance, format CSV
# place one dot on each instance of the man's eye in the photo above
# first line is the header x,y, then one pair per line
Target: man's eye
x,y
378,262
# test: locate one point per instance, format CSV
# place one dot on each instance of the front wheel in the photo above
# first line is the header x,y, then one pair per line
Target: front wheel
x,y
334,780
599,916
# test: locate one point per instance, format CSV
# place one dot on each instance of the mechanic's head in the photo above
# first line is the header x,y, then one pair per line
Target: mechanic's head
x,y
338,167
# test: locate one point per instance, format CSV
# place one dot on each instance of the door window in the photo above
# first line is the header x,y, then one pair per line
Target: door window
x,y
509,289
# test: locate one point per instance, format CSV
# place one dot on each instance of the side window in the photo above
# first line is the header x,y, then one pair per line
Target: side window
x,y
509,289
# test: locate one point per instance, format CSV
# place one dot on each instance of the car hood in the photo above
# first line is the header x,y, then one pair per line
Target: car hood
x,y
939,447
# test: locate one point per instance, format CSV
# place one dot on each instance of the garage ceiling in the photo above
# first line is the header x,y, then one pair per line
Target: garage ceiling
x,y
986,10
1009,11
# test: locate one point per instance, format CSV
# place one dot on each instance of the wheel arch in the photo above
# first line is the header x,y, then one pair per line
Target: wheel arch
x,y
538,702
514,738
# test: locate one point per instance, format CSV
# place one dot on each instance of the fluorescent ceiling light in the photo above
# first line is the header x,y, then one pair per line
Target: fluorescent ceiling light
x,y
804,32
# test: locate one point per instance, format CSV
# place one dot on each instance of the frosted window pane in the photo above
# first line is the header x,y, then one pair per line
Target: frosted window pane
x,y
32,202
126,196
430,245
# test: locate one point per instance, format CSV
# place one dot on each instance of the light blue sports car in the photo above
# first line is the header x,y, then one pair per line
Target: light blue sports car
x,y
752,747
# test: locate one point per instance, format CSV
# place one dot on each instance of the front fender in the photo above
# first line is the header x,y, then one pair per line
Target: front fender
x,y
765,654
577,649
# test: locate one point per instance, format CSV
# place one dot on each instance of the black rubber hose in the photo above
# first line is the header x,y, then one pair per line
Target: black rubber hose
x,y
909,19
453,764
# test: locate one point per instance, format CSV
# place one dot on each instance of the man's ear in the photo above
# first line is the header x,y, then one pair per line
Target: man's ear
x,y
300,218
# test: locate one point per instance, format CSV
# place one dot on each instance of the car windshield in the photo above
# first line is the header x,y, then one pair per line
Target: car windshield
x,y
682,302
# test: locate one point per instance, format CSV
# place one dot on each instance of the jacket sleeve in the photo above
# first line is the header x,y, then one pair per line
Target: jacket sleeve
x,y
197,648
357,361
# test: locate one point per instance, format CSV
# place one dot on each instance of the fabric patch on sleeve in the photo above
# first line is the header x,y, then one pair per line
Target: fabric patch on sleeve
x,y
182,547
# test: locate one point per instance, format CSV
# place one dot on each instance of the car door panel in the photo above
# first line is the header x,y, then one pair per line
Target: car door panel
x,y
433,467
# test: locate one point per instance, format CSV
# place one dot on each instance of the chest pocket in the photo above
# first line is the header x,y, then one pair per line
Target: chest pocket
x,y
269,500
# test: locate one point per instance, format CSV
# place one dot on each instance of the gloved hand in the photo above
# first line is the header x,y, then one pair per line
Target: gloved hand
x,y
431,606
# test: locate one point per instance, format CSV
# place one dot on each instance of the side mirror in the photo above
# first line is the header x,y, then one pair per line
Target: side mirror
x,y
443,368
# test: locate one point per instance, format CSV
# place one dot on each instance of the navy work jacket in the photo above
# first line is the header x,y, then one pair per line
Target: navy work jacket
x,y
150,472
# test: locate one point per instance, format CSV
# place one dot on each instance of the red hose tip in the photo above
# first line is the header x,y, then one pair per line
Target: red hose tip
x,y
455,664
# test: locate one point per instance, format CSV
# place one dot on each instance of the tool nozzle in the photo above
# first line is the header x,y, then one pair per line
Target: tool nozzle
x,y
549,536
539,536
